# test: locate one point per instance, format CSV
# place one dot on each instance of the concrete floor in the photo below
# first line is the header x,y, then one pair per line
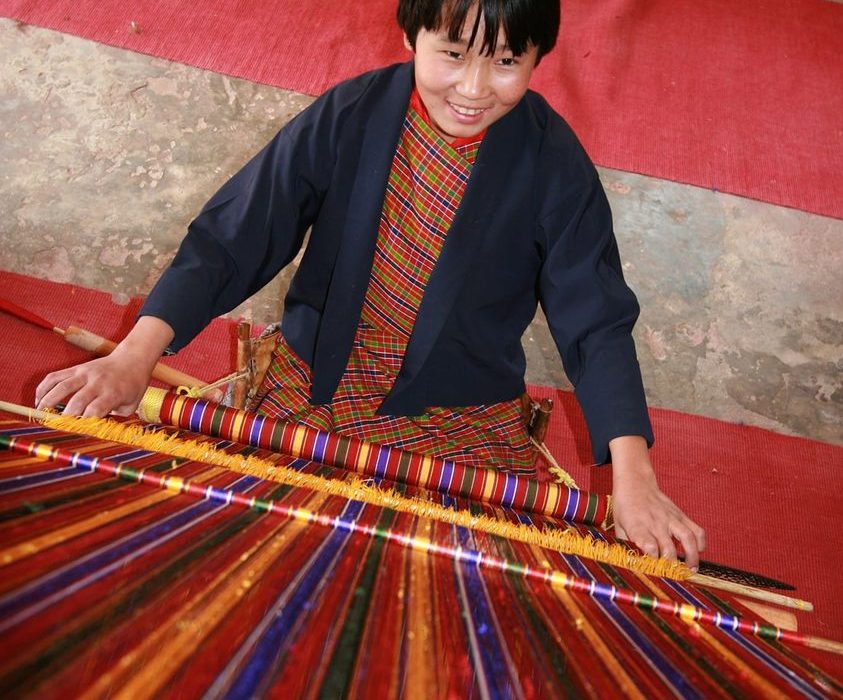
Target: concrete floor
x,y
108,154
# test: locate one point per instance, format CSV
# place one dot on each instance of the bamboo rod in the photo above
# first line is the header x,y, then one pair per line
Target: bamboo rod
x,y
93,343
751,592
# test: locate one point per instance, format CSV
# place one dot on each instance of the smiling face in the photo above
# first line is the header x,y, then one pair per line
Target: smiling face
x,y
463,89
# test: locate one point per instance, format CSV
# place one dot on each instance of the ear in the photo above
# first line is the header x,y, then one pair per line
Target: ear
x,y
408,44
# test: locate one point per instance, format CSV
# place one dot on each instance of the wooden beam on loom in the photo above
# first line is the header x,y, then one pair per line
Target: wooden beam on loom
x,y
775,616
93,343
759,594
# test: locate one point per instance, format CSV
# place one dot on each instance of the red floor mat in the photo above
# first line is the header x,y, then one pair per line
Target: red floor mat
x,y
742,97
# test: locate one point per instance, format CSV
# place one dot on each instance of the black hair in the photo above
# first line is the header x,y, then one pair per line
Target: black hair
x,y
523,22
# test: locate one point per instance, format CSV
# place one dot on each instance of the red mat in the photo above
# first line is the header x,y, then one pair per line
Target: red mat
x,y
769,503
743,97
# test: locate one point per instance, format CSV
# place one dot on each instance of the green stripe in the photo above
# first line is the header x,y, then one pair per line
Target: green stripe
x,y
345,653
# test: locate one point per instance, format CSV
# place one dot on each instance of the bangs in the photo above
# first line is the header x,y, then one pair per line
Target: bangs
x,y
520,23
496,22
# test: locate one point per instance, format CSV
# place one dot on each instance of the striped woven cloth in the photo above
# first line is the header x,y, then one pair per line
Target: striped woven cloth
x,y
424,190
120,589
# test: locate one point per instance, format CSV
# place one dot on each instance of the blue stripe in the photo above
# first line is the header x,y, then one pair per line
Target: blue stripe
x,y
66,577
478,612
447,474
287,613
508,490
572,504
195,417
320,446
26,430
642,645
19,483
254,433
383,458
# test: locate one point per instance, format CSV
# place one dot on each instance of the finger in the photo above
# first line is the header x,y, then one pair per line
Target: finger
x,y
666,547
688,538
126,409
77,405
46,386
97,408
647,544
699,534
60,391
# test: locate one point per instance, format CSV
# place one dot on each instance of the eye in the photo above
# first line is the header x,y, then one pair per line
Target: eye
x,y
508,61
456,55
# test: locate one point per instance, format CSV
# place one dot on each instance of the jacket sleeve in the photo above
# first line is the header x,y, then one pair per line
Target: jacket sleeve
x,y
591,312
255,224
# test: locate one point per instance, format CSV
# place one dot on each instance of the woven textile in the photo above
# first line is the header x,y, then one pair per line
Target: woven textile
x,y
379,461
120,588
426,184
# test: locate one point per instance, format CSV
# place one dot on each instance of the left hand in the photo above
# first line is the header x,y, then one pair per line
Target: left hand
x,y
643,514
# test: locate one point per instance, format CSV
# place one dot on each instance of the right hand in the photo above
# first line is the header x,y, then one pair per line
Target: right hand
x,y
111,384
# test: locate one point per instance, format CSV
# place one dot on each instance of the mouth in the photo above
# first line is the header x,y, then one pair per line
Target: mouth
x,y
467,112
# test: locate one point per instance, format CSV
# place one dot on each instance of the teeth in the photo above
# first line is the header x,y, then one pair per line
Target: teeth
x,y
465,111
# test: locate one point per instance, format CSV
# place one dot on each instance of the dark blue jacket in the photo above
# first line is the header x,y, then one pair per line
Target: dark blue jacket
x,y
534,226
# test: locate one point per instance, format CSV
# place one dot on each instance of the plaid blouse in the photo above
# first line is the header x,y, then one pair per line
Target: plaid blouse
x,y
426,184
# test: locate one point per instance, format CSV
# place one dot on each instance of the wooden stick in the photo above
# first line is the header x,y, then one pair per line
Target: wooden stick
x,y
102,346
825,644
750,592
32,414
244,357
86,340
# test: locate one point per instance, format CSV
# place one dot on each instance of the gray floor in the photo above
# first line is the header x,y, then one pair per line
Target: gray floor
x,y
107,155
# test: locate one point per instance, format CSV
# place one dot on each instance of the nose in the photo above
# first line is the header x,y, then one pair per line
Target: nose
x,y
474,81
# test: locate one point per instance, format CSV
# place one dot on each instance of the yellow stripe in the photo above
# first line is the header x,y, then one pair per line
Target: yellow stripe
x,y
363,457
65,533
298,440
237,425
424,471
488,485
553,500
51,539
422,623
766,689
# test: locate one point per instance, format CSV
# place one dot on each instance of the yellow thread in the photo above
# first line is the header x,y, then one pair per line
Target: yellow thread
x,y
600,648
149,408
562,477
568,541
174,483
237,425
687,612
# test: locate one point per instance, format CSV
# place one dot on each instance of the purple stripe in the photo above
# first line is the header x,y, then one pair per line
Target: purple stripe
x,y
510,482
255,430
196,414
383,458
447,475
571,505
320,447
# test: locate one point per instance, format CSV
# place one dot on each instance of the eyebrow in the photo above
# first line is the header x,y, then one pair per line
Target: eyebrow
x,y
443,36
